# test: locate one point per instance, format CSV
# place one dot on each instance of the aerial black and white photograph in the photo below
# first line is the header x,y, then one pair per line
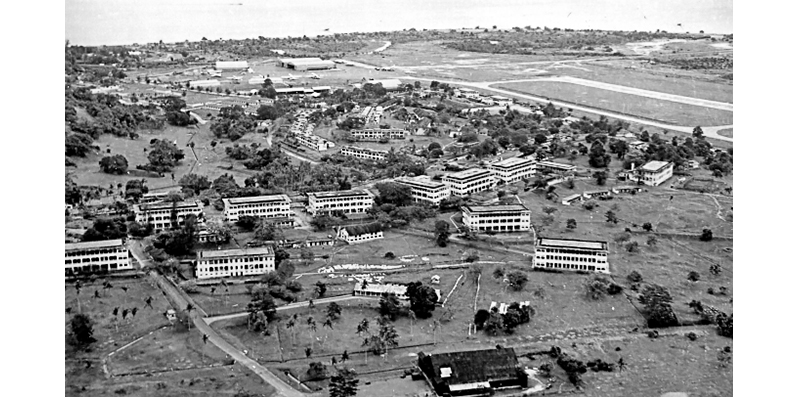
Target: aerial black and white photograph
x,y
403,198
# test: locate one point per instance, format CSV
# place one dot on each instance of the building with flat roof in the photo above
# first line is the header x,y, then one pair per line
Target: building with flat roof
x,y
204,83
315,142
305,64
377,290
475,372
469,181
377,134
572,255
93,257
496,218
341,201
552,166
423,189
355,234
160,214
654,173
626,189
572,198
272,206
364,153
231,65
590,194
513,169
234,262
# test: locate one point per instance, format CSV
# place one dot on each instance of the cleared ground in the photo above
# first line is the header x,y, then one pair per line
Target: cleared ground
x,y
669,112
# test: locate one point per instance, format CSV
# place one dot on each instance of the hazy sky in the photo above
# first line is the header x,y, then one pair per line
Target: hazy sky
x,y
94,22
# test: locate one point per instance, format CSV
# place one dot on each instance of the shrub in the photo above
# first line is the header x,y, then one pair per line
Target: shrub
x,y
599,285
389,255
632,247
635,277
693,276
517,280
707,235
590,205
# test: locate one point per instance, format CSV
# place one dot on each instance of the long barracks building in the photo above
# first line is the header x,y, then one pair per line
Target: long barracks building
x,y
376,134
469,181
572,255
344,201
496,218
364,153
160,214
235,262
273,206
513,169
424,189
95,257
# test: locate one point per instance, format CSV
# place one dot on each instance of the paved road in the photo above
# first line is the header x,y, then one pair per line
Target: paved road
x,y
623,89
211,320
709,131
179,302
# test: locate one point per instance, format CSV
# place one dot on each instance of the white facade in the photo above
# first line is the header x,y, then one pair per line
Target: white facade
x,y
235,262
314,142
555,167
655,173
345,201
470,181
513,169
377,290
274,206
96,257
572,255
360,233
159,214
496,218
423,189
204,83
376,134
364,153
231,65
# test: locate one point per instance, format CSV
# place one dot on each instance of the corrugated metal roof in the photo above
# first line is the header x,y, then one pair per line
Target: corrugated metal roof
x,y
92,245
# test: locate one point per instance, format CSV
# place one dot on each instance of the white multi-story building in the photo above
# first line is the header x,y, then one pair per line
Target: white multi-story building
x,y
95,257
555,167
573,255
160,214
234,262
344,201
315,142
496,218
274,206
376,134
424,189
513,169
654,173
364,153
469,181
360,233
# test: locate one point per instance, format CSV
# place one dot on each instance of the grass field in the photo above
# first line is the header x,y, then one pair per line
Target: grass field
x,y
670,112
726,133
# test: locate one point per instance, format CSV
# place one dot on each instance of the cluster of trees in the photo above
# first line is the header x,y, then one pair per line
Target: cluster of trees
x,y
698,63
163,156
106,229
658,309
394,206
232,123
116,164
491,321
598,286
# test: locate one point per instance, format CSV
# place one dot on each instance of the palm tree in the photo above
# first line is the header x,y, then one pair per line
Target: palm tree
x,y
189,308
290,325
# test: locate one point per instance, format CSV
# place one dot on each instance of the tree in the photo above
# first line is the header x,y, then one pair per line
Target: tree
x,y
697,132
322,222
647,226
517,280
267,112
320,288
442,231
656,300
422,299
634,277
344,384
116,164
316,370
394,193
693,276
480,318
598,158
106,229
572,224
389,306
82,328
632,247
194,183
600,177
163,156
334,310
248,222
363,327
707,235
652,241
611,217
715,269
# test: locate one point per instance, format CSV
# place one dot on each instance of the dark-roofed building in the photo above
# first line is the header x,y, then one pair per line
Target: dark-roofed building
x,y
360,233
304,64
571,254
472,372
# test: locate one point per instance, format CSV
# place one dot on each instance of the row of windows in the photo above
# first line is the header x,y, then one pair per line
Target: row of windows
x,y
570,251
500,228
481,221
572,258
94,259
471,183
71,271
550,265
268,211
229,268
282,204
353,200
234,260
181,212
95,251
362,237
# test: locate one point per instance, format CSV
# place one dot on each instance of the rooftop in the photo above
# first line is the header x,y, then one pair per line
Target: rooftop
x,y
472,366
496,208
567,243
512,162
466,174
655,166
267,250
92,245
258,199
396,289
164,206
365,149
339,193
420,180
553,164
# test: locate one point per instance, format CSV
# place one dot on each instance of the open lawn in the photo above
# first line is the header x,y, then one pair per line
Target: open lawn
x,y
670,112
112,332
728,133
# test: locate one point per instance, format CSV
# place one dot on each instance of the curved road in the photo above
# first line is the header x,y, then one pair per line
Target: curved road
x,y
709,131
